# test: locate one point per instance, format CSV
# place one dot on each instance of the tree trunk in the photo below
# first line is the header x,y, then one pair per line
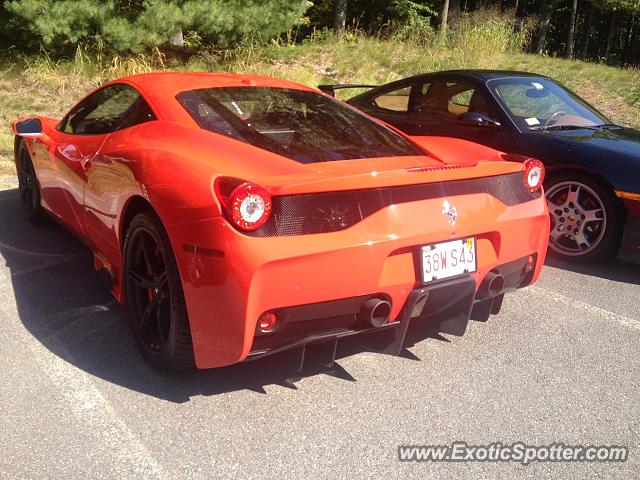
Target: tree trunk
x,y
340,17
520,15
547,11
627,39
572,29
178,39
612,26
444,15
587,31
635,42
454,12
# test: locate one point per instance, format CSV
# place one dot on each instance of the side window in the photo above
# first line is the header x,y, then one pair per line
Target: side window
x,y
459,102
465,97
395,100
433,104
443,102
107,110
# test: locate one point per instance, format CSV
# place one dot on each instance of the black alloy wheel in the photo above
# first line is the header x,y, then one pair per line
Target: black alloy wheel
x,y
155,298
28,185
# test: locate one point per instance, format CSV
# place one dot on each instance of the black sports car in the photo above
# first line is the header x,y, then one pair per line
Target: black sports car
x,y
593,166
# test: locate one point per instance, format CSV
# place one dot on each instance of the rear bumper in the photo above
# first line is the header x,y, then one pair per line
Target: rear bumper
x,y
444,307
230,279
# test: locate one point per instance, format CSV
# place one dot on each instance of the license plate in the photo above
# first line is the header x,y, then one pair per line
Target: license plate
x,y
448,259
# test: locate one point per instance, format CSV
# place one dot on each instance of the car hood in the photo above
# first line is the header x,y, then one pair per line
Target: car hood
x,y
617,140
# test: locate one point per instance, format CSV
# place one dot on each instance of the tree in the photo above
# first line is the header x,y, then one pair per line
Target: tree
x,y
587,31
548,6
627,37
572,29
444,15
340,17
615,9
135,24
61,21
373,16
610,32
454,12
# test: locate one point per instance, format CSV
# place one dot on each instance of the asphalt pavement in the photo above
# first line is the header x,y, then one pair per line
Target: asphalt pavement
x,y
560,363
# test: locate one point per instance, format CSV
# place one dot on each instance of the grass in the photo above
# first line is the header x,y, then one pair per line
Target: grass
x,y
38,85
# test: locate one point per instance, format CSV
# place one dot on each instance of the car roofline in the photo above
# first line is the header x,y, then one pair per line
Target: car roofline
x,y
475,73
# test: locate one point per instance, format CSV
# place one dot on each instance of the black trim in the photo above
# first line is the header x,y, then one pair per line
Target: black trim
x,y
444,307
299,321
331,89
334,211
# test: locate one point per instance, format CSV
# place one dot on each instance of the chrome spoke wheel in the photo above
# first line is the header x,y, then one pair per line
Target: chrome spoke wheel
x,y
578,218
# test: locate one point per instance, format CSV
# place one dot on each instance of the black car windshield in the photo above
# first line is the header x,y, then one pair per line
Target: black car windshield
x,y
536,103
304,126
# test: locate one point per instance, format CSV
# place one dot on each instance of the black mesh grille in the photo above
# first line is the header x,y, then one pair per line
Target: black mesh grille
x,y
333,211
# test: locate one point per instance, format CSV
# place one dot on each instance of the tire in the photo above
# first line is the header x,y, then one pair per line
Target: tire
x,y
157,309
586,218
28,185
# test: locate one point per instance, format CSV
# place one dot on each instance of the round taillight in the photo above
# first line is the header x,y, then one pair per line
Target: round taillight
x,y
249,206
533,174
267,322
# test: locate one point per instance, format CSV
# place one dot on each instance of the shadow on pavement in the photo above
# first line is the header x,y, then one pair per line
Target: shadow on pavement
x,y
616,270
60,301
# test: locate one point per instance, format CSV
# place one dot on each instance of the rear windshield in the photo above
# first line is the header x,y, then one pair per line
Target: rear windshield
x,y
304,126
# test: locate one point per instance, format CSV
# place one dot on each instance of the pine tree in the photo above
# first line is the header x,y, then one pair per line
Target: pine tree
x,y
133,25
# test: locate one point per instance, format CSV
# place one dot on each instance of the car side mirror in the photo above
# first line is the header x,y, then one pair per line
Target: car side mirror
x,y
31,127
477,119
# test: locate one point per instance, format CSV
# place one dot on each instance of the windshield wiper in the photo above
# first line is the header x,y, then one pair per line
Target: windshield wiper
x,y
563,127
609,125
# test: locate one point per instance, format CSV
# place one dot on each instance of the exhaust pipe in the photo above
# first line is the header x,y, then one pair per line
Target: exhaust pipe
x,y
492,286
375,312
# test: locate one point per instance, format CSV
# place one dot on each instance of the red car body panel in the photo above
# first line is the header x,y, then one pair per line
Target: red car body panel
x,y
230,278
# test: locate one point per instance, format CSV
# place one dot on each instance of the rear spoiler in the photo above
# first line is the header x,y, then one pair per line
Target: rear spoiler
x,y
331,89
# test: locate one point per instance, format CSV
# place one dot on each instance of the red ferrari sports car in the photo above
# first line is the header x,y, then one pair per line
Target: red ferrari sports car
x,y
239,215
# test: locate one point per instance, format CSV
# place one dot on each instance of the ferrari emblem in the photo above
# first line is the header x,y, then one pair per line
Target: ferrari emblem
x,y
450,211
